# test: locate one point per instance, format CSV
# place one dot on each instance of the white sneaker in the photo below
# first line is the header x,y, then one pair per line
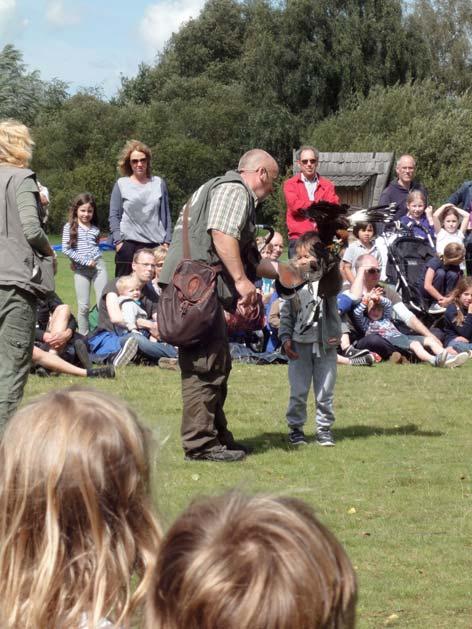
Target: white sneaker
x,y
458,360
436,309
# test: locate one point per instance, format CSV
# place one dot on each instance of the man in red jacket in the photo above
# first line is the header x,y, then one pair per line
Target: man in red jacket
x,y
301,191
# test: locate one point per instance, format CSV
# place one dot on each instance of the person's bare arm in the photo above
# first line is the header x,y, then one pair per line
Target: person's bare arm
x,y
428,285
437,216
227,249
346,271
114,310
357,287
268,268
148,324
465,220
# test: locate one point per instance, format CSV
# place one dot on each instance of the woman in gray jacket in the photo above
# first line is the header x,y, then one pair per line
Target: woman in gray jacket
x,y
139,207
26,262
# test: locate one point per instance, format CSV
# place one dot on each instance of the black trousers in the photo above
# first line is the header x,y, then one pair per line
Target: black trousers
x,y
124,257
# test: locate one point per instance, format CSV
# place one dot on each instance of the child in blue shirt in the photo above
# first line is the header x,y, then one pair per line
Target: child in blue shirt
x,y
419,218
440,277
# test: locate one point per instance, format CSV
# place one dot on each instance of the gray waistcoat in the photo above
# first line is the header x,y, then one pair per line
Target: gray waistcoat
x,y
19,265
201,244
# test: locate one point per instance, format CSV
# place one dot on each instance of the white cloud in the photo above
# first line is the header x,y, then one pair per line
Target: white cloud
x,y
7,9
58,15
163,19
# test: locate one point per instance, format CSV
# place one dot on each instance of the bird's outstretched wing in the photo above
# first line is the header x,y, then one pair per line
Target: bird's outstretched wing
x,y
378,214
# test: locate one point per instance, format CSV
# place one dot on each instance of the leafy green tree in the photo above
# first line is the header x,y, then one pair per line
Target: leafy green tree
x,y
215,37
20,92
447,25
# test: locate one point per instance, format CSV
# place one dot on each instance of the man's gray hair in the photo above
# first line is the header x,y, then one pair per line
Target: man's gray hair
x,y
405,155
307,147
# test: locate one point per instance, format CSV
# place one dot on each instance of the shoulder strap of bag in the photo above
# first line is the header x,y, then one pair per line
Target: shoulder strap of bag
x,y
185,238
186,241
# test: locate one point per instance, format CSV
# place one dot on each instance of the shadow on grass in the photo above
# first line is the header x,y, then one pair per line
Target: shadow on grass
x,y
271,440
361,432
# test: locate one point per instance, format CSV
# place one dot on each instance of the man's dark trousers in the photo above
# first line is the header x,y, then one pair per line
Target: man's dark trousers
x,y
205,370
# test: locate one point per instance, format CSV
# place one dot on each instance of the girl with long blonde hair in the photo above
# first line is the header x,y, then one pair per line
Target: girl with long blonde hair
x,y
75,516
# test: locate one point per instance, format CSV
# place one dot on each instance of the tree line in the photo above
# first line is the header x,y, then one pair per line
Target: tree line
x,y
345,75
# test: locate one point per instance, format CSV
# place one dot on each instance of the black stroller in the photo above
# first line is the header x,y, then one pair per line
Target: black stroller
x,y
407,258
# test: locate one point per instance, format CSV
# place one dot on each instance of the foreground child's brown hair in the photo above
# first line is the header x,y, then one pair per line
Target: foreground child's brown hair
x,y
239,562
75,518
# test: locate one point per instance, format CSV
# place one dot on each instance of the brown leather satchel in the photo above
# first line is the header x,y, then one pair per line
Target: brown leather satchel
x,y
188,305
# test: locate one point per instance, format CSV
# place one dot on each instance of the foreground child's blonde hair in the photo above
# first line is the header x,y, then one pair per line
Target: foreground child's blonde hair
x,y
238,562
75,517
16,144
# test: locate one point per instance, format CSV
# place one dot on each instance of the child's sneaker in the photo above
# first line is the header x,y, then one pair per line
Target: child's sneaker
x,y
324,437
436,309
442,358
126,353
296,437
169,363
457,360
366,360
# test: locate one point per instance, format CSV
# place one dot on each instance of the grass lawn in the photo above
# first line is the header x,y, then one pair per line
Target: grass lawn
x,y
396,489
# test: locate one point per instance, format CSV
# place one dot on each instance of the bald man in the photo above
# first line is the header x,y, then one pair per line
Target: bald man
x,y
397,191
277,246
221,233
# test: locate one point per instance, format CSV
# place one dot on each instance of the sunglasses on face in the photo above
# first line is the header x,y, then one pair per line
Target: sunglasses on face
x,y
373,270
308,161
143,160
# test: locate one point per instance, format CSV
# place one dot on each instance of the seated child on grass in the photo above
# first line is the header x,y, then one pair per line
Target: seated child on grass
x,y
129,293
239,562
440,277
77,533
458,318
373,316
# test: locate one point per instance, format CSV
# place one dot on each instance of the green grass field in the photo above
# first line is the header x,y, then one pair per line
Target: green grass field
x,y
396,489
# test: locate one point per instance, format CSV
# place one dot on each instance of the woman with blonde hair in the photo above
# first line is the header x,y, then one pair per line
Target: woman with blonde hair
x,y
139,207
240,562
75,517
26,262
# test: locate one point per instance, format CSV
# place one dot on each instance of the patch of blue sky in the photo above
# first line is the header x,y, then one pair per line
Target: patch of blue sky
x,y
91,43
